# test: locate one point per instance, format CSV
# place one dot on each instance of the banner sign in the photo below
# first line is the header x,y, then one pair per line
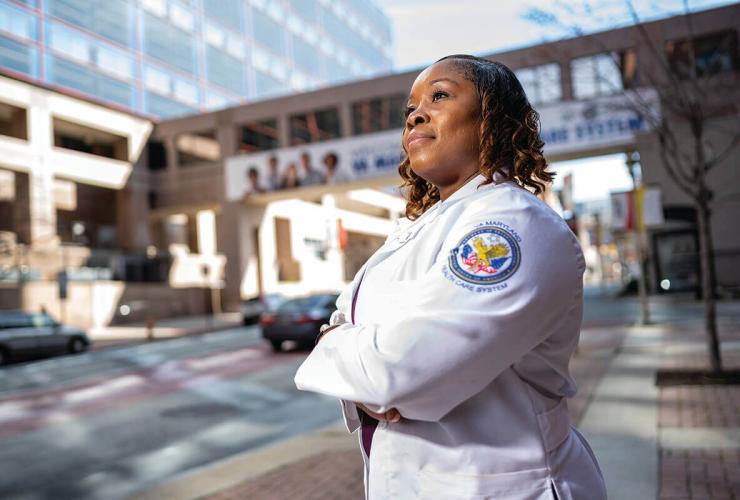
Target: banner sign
x,y
631,209
330,162
567,127
578,126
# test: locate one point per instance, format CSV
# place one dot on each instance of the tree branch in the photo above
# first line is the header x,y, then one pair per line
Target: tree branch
x,y
719,158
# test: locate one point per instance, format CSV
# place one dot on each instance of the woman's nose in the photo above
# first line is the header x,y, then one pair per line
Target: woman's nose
x,y
416,117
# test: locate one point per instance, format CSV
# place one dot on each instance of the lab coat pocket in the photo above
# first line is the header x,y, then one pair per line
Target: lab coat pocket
x,y
533,484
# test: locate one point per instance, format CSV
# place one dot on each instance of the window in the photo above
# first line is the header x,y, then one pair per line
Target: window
x,y
111,19
164,107
705,55
378,114
306,56
156,155
228,12
224,70
597,75
180,89
259,136
13,121
17,22
88,80
18,56
215,100
306,8
268,32
315,126
168,44
97,142
268,85
541,83
87,50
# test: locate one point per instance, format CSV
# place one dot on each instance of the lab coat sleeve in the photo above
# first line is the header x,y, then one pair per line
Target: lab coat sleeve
x,y
342,315
451,339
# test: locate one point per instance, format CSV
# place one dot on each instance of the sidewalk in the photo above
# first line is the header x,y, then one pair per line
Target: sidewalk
x,y
135,333
671,443
327,464
699,425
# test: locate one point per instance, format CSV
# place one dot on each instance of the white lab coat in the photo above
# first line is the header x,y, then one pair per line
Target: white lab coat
x,y
476,362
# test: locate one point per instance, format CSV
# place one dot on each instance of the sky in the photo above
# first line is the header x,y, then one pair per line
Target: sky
x,y
425,30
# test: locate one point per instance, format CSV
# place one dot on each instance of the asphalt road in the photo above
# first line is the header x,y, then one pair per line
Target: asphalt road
x,y
110,423
114,422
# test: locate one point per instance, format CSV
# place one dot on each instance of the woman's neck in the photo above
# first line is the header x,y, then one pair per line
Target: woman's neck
x,y
447,191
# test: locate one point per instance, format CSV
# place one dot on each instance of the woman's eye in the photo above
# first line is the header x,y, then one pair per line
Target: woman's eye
x,y
438,95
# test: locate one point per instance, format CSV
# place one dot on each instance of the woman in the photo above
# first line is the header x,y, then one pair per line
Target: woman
x,y
290,179
451,347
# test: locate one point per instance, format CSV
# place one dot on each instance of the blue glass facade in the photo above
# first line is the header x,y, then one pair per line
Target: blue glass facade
x,y
173,57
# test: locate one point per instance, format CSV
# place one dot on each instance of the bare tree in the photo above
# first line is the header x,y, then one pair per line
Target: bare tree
x,y
694,94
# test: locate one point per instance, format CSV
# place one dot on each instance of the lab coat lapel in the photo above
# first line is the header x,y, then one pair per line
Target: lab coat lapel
x,y
406,233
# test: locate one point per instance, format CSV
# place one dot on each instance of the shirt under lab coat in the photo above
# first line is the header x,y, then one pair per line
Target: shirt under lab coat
x,y
478,369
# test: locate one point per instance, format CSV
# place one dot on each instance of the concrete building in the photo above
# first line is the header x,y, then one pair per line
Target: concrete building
x,y
165,58
582,95
202,194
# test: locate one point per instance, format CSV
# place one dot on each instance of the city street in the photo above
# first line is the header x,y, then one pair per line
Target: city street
x,y
121,422
109,423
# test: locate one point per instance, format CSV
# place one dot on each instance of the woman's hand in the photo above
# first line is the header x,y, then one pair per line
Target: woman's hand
x,y
391,415
324,330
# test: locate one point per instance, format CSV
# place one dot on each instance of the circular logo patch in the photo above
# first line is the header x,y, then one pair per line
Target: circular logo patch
x,y
485,256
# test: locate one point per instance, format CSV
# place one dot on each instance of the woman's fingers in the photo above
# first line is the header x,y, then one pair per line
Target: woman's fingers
x,y
391,415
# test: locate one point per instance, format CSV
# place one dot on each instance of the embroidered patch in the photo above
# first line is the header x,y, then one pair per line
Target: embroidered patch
x,y
488,255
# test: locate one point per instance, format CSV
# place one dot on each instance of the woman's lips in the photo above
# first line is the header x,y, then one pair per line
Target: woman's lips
x,y
418,140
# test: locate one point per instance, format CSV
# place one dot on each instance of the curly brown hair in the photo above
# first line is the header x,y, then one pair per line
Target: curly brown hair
x,y
510,142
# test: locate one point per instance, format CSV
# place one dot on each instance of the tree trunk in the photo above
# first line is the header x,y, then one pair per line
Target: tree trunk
x,y
708,283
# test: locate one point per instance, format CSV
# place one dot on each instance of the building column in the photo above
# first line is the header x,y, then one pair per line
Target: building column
x,y
237,226
132,214
228,236
283,131
334,254
192,229
40,188
172,157
345,120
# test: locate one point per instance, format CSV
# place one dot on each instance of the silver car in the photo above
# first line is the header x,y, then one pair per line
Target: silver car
x,y
26,335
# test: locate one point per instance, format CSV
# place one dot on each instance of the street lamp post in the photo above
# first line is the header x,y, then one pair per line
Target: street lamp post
x,y
633,160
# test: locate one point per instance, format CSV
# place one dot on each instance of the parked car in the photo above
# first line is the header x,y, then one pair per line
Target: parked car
x,y
253,308
298,319
26,335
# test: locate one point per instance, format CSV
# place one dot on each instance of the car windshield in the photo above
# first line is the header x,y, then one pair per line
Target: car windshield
x,y
40,320
15,319
304,304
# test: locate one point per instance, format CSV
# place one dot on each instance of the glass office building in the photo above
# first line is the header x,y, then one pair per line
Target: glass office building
x,y
170,58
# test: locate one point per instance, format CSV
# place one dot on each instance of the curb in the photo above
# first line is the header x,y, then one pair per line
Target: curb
x,y
232,471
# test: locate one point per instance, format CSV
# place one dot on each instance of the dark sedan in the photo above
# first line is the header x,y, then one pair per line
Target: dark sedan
x,y
26,335
298,319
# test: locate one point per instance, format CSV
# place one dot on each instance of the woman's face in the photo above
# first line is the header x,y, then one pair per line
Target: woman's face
x,y
442,124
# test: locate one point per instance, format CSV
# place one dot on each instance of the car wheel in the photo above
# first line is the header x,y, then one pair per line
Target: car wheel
x,y
277,345
76,346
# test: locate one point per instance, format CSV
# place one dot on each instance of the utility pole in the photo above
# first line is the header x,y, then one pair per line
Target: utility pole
x,y
639,233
